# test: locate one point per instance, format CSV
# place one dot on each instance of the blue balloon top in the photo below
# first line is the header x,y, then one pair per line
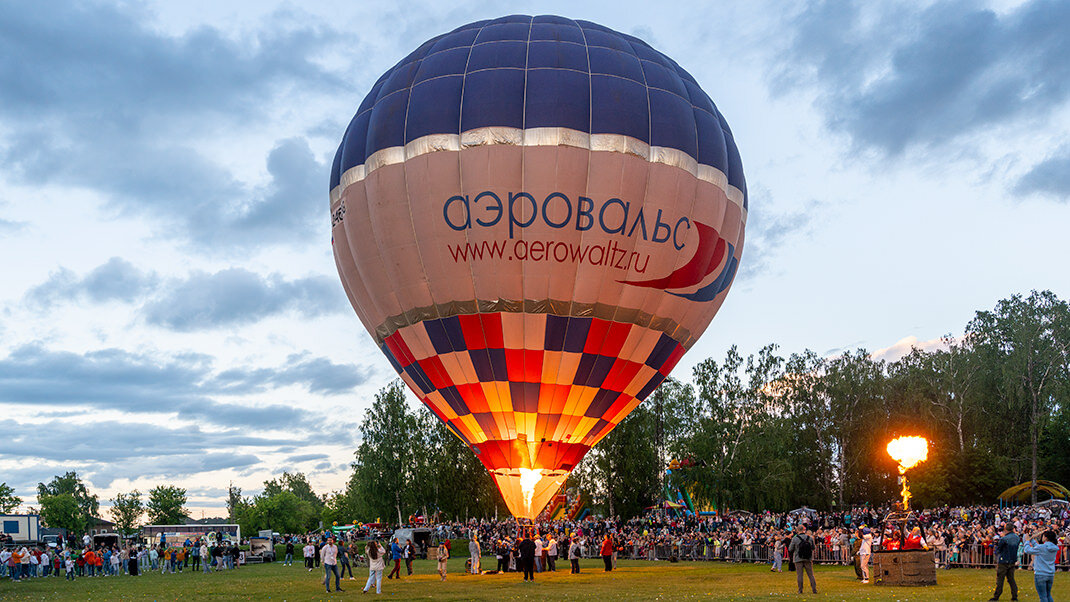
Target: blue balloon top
x,y
546,71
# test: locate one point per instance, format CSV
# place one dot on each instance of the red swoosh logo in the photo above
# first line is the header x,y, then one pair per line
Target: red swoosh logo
x,y
710,253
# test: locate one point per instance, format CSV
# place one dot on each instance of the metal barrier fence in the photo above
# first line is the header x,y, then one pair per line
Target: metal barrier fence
x,y
968,556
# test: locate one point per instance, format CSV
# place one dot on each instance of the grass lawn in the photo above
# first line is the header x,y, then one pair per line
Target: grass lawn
x,y
633,580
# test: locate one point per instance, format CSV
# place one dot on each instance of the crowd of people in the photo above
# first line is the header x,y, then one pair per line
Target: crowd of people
x,y
71,560
1005,538
959,536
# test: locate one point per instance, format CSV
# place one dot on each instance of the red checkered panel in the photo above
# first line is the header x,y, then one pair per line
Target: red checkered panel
x,y
531,390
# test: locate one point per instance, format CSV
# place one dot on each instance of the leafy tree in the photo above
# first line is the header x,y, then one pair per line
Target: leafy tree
x,y
297,484
62,511
70,484
1025,346
627,464
126,509
281,511
235,502
166,505
8,500
383,471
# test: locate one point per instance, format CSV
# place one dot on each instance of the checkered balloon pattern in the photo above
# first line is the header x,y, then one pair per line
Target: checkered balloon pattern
x,y
534,218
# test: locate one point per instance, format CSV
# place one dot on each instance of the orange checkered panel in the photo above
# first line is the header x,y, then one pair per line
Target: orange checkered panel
x,y
539,405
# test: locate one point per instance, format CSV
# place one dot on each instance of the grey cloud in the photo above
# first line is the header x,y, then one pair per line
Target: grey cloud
x,y
237,296
107,450
926,74
767,232
117,280
169,467
318,374
231,297
1049,177
99,98
305,458
119,380
10,227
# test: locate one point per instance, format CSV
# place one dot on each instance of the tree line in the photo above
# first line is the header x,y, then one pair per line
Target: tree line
x,y
761,431
769,431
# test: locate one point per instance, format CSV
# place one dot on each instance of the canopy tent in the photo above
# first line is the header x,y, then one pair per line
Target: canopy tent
x,y
804,510
1053,504
1021,493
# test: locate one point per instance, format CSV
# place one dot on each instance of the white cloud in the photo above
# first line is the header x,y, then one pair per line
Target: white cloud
x,y
904,345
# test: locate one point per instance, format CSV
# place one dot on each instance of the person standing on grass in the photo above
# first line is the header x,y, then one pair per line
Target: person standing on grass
x,y
865,549
329,558
802,554
395,555
527,557
206,555
551,554
474,553
375,567
1006,559
409,553
289,559
574,555
343,562
132,562
1043,547
606,551
442,556
195,554
778,553
308,551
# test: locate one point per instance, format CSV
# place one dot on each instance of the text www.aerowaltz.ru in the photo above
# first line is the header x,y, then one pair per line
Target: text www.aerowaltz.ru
x,y
609,254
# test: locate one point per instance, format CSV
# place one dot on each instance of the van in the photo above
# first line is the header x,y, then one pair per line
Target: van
x,y
420,536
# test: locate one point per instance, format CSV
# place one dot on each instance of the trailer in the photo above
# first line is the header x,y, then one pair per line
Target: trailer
x,y
177,534
21,528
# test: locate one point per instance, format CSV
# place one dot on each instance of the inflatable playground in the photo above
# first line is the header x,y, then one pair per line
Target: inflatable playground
x,y
678,501
561,508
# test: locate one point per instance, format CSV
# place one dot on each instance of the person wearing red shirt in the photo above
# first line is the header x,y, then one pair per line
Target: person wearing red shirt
x,y
914,540
607,553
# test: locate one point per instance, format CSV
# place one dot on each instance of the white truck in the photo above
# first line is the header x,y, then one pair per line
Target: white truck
x,y
20,528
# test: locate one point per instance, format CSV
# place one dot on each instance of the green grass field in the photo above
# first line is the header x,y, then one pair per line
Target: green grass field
x,y
633,580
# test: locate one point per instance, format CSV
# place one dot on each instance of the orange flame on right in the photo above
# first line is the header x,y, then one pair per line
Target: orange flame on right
x,y
908,452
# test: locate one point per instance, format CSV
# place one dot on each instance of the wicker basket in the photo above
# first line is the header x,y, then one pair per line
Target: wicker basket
x,y
904,567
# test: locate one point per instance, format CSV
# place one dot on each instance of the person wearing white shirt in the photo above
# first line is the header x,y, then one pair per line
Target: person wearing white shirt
x,y
329,559
309,551
864,553
551,555
205,557
376,565
538,554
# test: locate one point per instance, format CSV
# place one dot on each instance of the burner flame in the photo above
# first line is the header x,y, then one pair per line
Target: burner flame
x,y
908,452
529,478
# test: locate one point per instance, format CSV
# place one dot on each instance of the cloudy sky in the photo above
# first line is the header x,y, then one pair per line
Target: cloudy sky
x,y
169,306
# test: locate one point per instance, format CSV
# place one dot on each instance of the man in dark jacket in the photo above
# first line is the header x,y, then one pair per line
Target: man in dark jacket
x,y
802,553
1006,558
527,557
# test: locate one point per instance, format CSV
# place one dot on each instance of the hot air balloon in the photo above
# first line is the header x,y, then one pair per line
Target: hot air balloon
x,y
535,218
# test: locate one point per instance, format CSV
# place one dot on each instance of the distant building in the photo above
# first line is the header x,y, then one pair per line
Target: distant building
x,y
98,525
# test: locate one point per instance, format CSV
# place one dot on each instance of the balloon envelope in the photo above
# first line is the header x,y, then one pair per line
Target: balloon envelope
x,y
535,218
